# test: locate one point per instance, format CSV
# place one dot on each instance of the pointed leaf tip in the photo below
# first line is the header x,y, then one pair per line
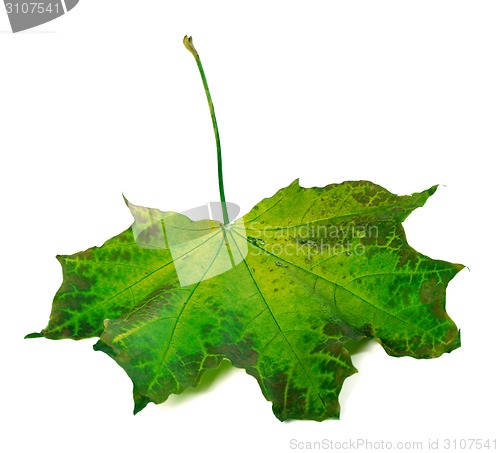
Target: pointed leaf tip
x,y
432,190
140,403
33,335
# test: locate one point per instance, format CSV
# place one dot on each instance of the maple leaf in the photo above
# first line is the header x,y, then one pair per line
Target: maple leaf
x,y
278,292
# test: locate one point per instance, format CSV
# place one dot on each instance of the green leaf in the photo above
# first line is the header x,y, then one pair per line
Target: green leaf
x,y
279,293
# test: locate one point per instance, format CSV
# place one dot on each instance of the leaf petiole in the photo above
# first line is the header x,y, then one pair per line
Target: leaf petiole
x,y
188,43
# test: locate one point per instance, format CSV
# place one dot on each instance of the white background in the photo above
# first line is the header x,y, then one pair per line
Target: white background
x,y
107,100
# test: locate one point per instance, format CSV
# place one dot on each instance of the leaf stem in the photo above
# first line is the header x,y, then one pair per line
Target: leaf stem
x,y
188,42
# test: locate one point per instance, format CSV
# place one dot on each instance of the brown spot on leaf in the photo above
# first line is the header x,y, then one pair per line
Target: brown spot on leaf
x,y
74,282
432,291
340,331
290,401
242,354
330,329
211,361
438,311
367,330
406,256
86,254
207,328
